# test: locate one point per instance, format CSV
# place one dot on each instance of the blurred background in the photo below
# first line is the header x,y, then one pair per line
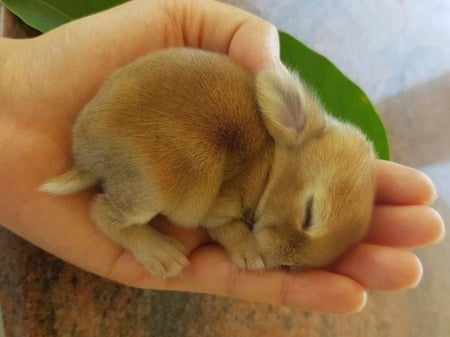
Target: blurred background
x,y
399,53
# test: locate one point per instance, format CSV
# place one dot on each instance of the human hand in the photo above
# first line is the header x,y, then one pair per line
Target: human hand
x,y
47,80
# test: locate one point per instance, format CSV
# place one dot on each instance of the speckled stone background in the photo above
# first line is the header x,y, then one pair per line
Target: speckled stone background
x,y
399,52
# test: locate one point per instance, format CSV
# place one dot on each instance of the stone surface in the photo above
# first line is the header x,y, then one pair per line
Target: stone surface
x,y
399,52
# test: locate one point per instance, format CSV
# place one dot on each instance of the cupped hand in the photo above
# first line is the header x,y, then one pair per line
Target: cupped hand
x,y
46,81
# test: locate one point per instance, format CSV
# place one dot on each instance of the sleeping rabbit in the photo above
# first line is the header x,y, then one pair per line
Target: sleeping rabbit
x,y
254,159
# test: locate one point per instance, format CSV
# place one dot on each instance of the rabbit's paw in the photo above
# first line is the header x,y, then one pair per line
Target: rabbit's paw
x,y
166,259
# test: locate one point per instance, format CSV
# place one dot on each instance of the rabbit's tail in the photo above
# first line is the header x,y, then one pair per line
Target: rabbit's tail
x,y
72,181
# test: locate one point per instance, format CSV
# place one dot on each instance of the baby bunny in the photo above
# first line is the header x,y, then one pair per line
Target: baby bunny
x,y
256,160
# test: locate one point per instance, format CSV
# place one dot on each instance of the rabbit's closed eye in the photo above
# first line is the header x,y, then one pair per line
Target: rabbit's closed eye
x,y
308,217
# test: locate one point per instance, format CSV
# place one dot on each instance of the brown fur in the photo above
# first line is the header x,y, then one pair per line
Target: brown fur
x,y
193,136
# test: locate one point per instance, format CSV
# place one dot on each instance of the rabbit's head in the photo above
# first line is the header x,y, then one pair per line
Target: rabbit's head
x,y
319,195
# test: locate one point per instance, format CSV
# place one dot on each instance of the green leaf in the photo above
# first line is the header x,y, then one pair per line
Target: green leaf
x,y
341,97
45,15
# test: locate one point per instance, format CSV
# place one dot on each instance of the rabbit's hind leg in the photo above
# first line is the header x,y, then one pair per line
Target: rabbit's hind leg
x,y
161,255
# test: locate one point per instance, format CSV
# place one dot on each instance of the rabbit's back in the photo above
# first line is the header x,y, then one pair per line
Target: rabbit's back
x,y
188,117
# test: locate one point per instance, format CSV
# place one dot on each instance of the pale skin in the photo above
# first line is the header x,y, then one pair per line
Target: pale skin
x,y
45,82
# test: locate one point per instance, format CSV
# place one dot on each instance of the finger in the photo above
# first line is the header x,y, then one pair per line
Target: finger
x,y
261,46
405,226
402,185
380,268
219,27
210,271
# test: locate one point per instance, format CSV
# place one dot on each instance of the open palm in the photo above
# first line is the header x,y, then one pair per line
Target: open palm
x,y
47,80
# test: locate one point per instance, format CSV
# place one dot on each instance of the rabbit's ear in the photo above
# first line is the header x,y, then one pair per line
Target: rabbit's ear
x,y
282,102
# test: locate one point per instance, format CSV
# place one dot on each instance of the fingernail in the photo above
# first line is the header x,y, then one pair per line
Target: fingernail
x,y
363,303
419,272
434,194
439,227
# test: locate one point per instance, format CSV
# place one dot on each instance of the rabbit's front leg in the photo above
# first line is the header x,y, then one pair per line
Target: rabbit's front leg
x,y
240,244
223,220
